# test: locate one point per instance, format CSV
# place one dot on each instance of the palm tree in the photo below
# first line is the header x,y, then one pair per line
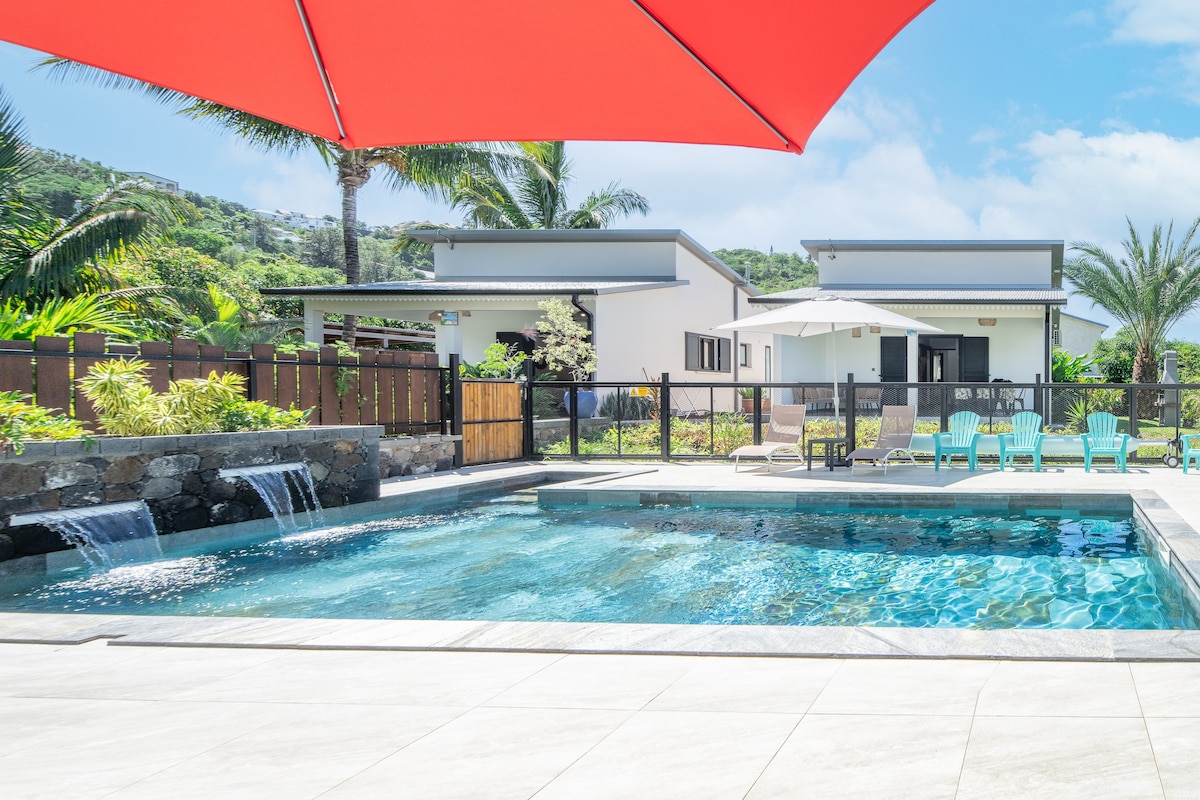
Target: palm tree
x,y
72,256
42,257
431,169
1155,285
535,195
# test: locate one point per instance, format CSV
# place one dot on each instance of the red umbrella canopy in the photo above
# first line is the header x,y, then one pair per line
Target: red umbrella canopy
x,y
365,73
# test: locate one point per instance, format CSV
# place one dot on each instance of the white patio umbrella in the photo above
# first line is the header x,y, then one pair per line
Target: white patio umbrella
x,y
826,315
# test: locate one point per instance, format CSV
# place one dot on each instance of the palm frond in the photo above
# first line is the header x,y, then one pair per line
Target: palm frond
x,y
601,208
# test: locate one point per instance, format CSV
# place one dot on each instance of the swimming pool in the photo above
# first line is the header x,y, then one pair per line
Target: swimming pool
x,y
509,558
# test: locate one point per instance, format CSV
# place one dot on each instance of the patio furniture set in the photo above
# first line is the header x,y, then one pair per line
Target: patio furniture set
x,y
785,431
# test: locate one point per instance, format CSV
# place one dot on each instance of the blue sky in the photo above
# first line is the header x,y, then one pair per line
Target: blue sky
x,y
1018,119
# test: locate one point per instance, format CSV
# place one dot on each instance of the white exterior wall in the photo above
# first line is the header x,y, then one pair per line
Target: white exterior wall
x,y
490,261
1078,336
646,329
945,268
1015,351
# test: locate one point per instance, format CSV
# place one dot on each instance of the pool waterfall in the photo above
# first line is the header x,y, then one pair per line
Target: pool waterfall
x,y
109,535
281,486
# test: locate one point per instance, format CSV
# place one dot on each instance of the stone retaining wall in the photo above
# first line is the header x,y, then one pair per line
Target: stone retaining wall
x,y
416,455
549,431
177,477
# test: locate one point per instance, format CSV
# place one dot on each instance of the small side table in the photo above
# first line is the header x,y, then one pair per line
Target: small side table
x,y
834,450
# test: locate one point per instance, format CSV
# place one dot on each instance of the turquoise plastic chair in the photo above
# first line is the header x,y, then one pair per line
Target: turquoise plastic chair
x,y
1025,440
1190,451
962,439
1102,439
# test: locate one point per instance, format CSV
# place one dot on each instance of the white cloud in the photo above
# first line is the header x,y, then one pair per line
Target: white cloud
x,y
1157,22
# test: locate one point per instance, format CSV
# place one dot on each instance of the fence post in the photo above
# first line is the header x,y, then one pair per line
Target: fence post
x,y
944,404
527,411
664,417
1133,410
456,409
851,411
757,415
572,402
1039,402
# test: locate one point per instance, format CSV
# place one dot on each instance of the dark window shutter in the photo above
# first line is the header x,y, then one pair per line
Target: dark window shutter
x,y
973,355
691,357
724,355
893,359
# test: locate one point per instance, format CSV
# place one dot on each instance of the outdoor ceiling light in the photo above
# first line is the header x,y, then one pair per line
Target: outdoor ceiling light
x,y
987,322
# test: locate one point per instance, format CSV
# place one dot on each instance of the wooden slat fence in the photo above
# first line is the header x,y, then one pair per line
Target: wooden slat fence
x,y
397,389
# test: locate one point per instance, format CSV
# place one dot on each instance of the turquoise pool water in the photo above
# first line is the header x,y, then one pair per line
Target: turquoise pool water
x,y
511,559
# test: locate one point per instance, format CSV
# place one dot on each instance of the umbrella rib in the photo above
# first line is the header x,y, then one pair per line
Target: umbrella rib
x,y
704,65
316,54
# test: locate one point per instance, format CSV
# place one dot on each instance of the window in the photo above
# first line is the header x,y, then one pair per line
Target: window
x,y
743,355
707,353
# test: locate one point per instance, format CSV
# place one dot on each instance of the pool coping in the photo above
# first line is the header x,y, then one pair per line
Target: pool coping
x,y
1174,542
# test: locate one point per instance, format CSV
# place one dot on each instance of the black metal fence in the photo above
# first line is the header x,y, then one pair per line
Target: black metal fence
x,y
679,420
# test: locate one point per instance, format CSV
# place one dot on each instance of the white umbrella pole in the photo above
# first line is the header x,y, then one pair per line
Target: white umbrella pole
x,y
837,416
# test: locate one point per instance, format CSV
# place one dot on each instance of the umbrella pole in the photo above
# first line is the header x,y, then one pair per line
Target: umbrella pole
x,y
837,414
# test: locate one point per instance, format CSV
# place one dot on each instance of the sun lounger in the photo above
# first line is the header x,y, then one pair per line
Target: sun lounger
x,y
782,440
895,436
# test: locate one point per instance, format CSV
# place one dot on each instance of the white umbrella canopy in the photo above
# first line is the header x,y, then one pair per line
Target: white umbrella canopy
x,y
825,315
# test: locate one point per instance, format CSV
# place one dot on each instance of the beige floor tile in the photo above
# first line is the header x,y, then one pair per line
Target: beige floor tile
x,y
1174,742
1059,689
1168,690
121,743
145,673
597,681
388,677
676,754
305,752
896,686
841,756
494,753
783,685
1058,758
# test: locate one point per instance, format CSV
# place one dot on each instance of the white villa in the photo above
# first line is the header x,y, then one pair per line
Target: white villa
x,y
294,219
650,298
164,184
998,302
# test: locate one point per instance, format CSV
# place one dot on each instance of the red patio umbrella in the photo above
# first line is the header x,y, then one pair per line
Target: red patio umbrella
x,y
759,73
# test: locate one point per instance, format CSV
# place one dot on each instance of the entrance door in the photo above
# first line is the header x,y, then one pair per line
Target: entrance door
x,y
953,359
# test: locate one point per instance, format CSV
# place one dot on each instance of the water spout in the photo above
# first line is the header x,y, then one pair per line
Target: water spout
x,y
277,484
106,535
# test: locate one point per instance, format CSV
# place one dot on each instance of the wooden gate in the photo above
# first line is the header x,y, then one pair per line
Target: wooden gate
x,y
493,423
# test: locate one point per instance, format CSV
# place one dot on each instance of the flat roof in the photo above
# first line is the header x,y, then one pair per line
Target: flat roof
x,y
815,246
440,288
995,295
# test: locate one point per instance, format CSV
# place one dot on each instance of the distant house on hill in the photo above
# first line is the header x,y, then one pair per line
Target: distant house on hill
x,y
164,184
294,219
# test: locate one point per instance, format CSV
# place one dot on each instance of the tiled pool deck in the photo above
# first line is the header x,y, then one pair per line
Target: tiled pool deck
x,y
236,709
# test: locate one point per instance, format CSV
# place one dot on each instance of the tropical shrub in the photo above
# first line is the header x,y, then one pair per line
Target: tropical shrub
x,y
22,421
499,361
127,406
622,405
1067,368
